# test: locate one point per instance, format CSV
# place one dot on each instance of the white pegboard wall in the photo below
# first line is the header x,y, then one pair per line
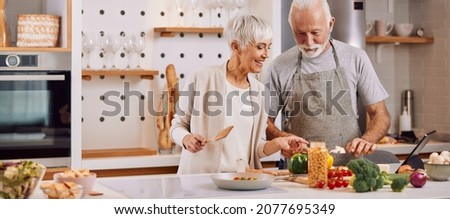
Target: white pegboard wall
x,y
132,126
187,51
119,131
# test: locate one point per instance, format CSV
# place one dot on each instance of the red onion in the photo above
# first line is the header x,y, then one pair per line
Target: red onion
x,y
418,178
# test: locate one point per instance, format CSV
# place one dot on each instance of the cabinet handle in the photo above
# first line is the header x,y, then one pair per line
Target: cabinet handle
x,y
32,77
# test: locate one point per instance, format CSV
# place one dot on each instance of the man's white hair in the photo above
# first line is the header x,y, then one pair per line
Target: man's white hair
x,y
247,30
302,4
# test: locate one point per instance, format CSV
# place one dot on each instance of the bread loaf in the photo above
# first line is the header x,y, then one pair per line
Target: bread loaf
x,y
164,119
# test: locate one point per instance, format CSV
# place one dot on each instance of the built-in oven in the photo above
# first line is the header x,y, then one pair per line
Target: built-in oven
x,y
35,103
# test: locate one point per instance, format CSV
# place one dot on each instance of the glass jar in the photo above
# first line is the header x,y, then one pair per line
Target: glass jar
x,y
317,164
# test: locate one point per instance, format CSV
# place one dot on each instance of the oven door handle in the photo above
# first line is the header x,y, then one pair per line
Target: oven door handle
x,y
55,77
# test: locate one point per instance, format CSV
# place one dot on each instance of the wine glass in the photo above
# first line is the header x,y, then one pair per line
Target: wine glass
x,y
239,4
211,5
180,7
129,47
105,45
140,45
220,4
88,45
116,44
194,6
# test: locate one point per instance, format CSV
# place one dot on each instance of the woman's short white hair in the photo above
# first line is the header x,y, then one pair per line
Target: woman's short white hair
x,y
302,4
247,30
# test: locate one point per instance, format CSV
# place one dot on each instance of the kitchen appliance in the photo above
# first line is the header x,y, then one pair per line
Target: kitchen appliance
x,y
35,90
350,25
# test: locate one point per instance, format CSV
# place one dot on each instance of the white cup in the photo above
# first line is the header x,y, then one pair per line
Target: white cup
x,y
383,28
404,29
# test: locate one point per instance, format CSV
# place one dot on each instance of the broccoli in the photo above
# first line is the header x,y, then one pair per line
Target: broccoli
x,y
366,175
387,179
398,184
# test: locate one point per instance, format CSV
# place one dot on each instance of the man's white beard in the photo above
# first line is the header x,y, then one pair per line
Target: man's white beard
x,y
312,54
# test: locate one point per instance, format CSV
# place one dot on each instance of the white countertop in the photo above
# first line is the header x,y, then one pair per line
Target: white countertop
x,y
403,148
201,186
173,160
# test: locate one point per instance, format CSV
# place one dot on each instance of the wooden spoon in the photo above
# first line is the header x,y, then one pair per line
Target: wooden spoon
x,y
222,134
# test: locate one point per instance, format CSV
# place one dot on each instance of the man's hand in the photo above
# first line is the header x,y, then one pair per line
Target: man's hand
x,y
359,146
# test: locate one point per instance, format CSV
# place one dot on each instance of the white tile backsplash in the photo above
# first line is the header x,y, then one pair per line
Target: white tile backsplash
x,y
424,68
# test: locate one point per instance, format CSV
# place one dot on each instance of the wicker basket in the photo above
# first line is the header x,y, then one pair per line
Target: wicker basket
x,y
37,30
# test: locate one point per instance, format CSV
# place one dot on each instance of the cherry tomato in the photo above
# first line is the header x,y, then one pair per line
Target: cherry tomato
x,y
320,184
330,174
349,172
345,183
338,183
331,184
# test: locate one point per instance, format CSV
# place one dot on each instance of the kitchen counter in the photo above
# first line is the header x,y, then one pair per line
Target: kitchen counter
x,y
173,160
403,148
201,186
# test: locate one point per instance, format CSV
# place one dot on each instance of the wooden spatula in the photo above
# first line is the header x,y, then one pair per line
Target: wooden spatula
x,y
222,134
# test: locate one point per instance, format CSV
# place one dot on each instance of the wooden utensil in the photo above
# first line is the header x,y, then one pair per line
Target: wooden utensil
x,y
222,134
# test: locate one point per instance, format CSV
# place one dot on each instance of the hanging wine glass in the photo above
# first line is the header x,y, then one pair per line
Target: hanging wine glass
x,y
220,4
239,5
105,45
194,6
88,45
140,45
116,45
180,8
211,5
129,47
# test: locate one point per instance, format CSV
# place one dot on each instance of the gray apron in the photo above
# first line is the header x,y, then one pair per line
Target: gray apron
x,y
319,107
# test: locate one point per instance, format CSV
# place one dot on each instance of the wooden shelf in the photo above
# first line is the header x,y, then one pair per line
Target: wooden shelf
x,y
145,74
34,49
171,31
397,39
121,152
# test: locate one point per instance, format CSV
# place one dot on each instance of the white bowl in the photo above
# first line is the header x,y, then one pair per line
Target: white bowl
x,y
87,181
438,172
404,29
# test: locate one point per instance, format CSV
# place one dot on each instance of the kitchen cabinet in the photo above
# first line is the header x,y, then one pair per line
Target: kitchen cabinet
x,y
55,7
171,31
144,74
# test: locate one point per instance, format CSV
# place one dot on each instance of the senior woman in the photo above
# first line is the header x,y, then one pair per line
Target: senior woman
x,y
219,96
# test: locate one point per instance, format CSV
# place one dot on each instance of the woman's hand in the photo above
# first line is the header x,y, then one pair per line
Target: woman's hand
x,y
291,145
294,144
194,142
